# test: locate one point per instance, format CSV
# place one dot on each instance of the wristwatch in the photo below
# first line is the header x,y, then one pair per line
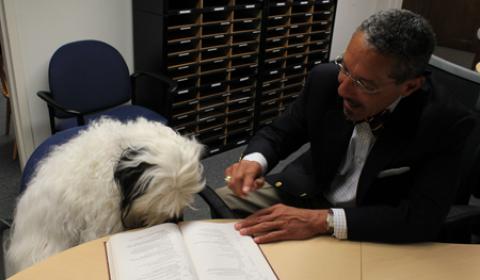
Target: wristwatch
x,y
330,224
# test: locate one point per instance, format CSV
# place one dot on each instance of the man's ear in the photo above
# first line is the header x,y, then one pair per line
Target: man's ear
x,y
412,85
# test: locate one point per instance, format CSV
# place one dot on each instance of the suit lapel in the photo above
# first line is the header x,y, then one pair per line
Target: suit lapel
x,y
337,133
392,141
386,148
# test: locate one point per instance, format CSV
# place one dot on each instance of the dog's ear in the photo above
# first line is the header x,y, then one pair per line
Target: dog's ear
x,y
127,173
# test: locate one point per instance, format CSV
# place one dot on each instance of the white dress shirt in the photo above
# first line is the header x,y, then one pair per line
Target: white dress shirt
x,y
343,190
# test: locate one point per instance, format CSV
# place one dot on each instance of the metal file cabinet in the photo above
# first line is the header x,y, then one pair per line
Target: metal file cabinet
x,y
238,63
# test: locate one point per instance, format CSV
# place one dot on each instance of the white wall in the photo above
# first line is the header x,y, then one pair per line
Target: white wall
x,y
350,13
33,29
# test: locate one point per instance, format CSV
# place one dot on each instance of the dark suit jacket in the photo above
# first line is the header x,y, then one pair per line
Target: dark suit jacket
x,y
421,141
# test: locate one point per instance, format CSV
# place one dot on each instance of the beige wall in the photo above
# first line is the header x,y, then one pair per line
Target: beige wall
x,y
350,13
33,30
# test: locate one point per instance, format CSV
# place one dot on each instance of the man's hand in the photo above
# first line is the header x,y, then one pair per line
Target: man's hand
x,y
281,222
244,177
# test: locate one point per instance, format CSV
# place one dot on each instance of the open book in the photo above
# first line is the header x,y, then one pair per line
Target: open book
x,y
189,250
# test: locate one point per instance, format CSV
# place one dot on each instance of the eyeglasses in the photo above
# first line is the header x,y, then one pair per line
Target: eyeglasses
x,y
369,89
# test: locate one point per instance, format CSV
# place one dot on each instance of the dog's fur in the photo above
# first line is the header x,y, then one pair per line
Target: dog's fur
x,y
110,177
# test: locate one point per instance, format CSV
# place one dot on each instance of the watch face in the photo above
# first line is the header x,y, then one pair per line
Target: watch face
x,y
330,221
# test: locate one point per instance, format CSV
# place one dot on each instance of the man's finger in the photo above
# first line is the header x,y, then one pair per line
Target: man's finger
x,y
235,181
261,228
248,183
260,216
272,236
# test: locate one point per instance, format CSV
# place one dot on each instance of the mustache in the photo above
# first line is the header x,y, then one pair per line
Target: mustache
x,y
352,103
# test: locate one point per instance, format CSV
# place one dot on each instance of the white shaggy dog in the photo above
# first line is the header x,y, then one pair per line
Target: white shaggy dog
x,y
110,177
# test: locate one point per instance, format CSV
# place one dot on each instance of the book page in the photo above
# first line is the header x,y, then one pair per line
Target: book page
x,y
153,253
218,251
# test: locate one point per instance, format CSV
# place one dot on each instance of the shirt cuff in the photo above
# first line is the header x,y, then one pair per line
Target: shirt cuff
x,y
257,157
339,223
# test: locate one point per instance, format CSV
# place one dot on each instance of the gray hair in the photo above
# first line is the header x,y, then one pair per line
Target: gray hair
x,y
404,36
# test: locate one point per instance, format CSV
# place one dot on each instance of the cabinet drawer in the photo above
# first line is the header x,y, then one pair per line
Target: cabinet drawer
x,y
321,25
216,28
242,60
246,25
212,89
244,48
273,64
299,28
301,7
277,31
242,82
183,45
184,94
183,17
183,119
182,32
248,13
299,38
211,111
175,72
210,122
186,83
213,78
240,105
242,72
278,8
301,18
217,14
277,42
214,53
268,86
186,107
181,58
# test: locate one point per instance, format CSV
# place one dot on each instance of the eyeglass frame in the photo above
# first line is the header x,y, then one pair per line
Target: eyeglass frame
x,y
357,83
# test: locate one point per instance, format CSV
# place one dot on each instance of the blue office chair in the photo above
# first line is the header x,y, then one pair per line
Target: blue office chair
x,y
463,220
88,79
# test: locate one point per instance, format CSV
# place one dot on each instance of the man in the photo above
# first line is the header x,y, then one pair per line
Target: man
x,y
383,163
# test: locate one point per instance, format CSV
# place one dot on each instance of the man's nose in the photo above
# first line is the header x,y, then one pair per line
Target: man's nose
x,y
346,87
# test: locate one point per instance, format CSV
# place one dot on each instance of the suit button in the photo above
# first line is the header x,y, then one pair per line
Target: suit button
x,y
278,184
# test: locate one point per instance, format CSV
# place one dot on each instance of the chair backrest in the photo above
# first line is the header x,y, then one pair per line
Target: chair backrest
x,y
465,85
88,76
462,82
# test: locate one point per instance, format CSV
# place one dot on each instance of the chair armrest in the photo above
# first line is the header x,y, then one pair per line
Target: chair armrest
x,y
172,85
166,97
4,224
47,97
218,208
462,213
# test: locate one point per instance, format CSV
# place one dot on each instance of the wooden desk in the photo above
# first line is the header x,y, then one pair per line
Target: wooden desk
x,y
318,258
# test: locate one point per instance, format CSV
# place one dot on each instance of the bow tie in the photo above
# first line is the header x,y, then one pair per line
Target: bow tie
x,y
377,121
